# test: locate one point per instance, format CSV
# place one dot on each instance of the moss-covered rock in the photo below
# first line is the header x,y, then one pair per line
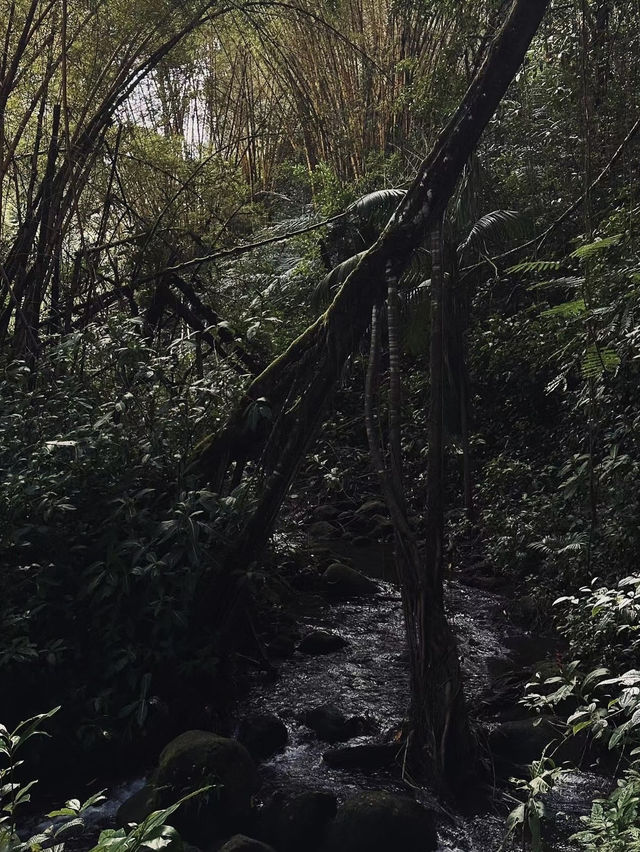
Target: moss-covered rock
x,y
263,734
242,843
330,723
198,759
304,819
347,582
321,642
378,821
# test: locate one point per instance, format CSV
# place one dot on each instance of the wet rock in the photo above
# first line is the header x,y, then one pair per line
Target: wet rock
x,y
282,646
321,529
331,725
372,507
525,610
242,843
347,582
262,734
299,821
325,513
381,526
378,821
321,642
196,759
137,807
368,757
522,741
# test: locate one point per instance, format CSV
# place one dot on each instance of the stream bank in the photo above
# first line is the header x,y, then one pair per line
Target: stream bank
x,y
363,684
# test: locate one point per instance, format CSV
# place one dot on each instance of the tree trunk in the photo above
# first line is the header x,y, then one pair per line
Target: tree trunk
x,y
440,729
339,330
296,386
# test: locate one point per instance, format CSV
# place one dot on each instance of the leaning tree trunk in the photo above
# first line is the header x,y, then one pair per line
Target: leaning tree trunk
x,y
338,332
295,388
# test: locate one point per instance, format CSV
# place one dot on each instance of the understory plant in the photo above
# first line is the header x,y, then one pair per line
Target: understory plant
x,y
530,812
151,835
600,703
105,530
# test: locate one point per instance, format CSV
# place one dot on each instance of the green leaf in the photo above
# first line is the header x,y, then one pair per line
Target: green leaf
x,y
595,247
516,817
598,361
376,206
535,266
567,310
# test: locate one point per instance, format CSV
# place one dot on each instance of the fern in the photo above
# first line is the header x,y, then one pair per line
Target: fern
x,y
569,282
567,310
552,546
597,361
535,266
588,250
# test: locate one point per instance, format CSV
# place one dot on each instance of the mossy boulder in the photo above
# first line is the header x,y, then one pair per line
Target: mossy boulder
x,y
378,821
521,741
345,581
367,757
321,642
242,843
372,507
198,759
297,821
304,819
263,734
330,723
321,529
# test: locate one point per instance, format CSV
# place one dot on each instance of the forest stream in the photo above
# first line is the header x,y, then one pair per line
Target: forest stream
x,y
368,680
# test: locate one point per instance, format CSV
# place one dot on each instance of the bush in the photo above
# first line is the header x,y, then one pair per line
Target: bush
x,y
103,529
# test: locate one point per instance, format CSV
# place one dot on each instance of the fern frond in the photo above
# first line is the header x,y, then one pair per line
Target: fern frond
x,y
535,266
568,282
597,361
567,310
588,250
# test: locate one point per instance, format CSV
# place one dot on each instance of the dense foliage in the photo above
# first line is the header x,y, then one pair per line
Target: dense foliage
x,y
143,147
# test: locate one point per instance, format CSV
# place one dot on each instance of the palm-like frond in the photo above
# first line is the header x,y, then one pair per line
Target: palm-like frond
x,y
535,266
418,269
566,282
495,227
335,279
376,207
415,315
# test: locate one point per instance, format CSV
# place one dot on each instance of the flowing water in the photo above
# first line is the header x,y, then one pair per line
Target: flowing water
x,y
369,679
